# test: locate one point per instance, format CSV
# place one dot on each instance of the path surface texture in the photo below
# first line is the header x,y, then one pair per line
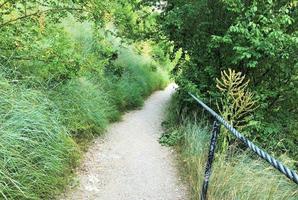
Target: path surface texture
x,y
128,163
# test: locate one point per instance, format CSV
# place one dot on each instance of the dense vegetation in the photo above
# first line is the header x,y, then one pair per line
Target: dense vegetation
x,y
257,38
66,71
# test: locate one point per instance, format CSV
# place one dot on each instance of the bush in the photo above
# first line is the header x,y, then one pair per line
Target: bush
x,y
89,103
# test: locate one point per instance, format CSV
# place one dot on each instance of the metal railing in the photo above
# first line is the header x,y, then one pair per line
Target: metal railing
x,y
291,174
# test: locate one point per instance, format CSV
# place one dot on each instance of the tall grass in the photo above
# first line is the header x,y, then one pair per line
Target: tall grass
x,y
141,78
239,176
36,153
85,107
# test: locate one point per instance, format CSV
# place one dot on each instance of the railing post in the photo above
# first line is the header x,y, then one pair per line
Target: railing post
x,y
215,132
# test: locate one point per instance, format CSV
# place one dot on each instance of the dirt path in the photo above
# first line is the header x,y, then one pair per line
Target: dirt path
x,y
129,163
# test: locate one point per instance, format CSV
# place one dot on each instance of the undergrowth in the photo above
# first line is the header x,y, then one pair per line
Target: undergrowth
x,y
241,175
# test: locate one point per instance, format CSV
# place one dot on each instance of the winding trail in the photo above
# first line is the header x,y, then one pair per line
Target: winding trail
x,y
128,163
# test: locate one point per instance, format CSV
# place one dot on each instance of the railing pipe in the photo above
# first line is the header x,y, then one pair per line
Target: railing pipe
x,y
291,174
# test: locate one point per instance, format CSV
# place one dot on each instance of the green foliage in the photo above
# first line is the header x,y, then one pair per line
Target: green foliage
x,y
51,58
37,150
140,78
257,38
170,138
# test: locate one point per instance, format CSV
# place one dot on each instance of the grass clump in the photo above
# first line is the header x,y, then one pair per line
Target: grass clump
x,y
241,175
141,77
36,153
85,107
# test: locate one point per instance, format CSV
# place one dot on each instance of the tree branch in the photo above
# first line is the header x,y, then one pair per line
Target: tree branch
x,y
18,18
20,58
3,4
40,12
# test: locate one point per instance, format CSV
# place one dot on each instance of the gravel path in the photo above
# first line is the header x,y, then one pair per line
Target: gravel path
x,y
128,163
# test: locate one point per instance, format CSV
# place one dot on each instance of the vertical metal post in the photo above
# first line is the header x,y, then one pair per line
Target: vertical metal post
x,y
215,132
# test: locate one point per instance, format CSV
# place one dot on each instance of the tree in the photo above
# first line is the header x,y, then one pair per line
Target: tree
x,y
257,38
